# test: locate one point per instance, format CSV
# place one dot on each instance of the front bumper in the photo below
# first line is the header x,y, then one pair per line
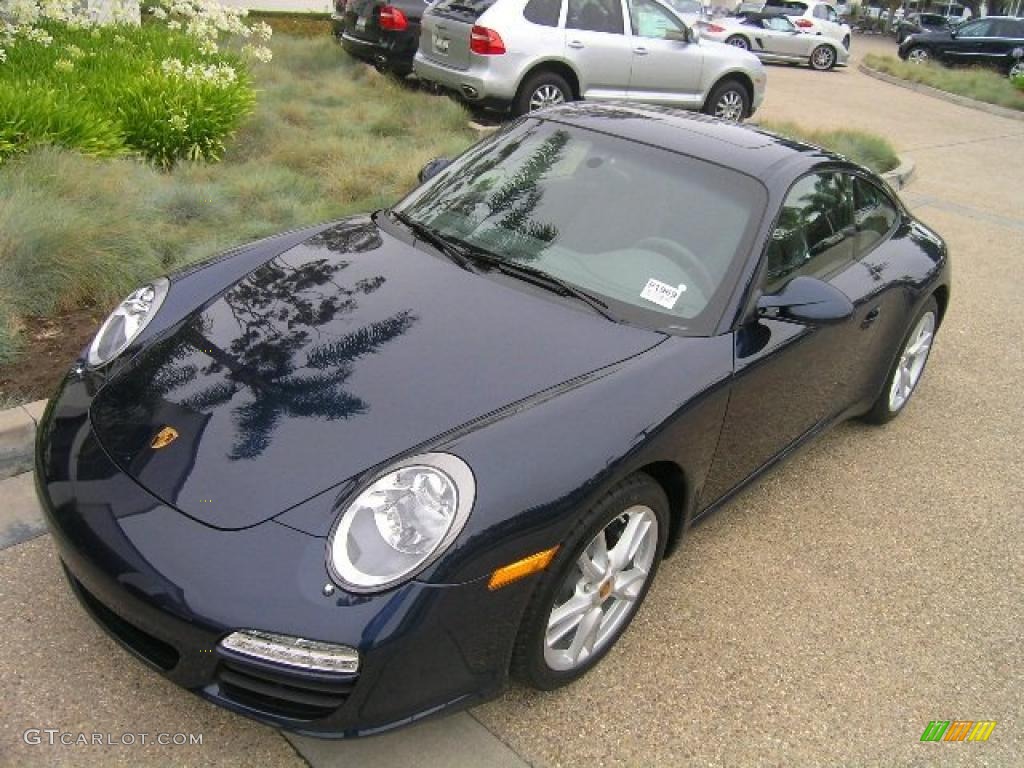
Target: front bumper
x,y
169,588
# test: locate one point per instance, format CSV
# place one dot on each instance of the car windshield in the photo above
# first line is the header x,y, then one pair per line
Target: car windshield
x,y
658,235
688,7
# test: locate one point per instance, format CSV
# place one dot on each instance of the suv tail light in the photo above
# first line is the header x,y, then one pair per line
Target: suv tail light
x,y
393,19
711,27
804,23
485,41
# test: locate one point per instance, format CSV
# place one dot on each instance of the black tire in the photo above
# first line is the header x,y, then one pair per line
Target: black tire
x,y
529,665
823,58
738,41
535,83
720,93
881,412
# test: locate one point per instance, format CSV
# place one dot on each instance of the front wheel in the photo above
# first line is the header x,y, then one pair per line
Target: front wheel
x,y
823,58
738,41
1017,70
545,89
728,101
919,55
595,585
906,370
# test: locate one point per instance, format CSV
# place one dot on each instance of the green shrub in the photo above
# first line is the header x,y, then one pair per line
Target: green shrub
x,y
111,90
869,150
973,82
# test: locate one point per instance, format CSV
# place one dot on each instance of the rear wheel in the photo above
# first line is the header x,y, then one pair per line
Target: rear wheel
x,y
728,101
595,586
919,55
823,58
1017,70
738,41
908,367
545,89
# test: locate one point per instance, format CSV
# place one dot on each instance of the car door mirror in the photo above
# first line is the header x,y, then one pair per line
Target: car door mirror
x,y
806,299
678,35
433,167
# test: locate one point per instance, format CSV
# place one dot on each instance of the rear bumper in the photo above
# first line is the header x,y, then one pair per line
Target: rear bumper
x,y
477,85
394,52
169,588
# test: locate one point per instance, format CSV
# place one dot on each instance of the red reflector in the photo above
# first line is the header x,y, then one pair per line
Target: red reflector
x,y
393,19
485,41
715,28
804,23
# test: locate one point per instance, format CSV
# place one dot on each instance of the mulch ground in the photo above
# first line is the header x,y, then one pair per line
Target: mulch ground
x,y
51,346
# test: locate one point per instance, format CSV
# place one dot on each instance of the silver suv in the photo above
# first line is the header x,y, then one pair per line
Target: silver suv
x,y
535,53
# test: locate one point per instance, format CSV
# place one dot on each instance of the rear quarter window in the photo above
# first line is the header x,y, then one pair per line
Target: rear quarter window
x,y
543,12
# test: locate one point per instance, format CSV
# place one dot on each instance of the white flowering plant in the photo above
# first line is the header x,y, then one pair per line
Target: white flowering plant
x,y
172,88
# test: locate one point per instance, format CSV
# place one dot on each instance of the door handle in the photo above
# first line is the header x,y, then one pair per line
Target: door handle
x,y
575,44
640,51
870,317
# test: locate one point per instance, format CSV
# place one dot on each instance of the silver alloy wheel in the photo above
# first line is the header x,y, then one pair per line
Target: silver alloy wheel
x,y
918,56
911,362
546,96
599,595
822,57
739,42
1017,69
730,106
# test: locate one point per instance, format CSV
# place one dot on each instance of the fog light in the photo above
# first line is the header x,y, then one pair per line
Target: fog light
x,y
292,651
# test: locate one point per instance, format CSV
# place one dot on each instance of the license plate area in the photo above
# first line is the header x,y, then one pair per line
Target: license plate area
x,y
441,44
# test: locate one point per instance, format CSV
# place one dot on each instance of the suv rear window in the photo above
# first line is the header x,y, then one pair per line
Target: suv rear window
x,y
470,10
787,7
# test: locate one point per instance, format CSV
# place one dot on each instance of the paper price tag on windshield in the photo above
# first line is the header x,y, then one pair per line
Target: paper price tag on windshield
x,y
662,294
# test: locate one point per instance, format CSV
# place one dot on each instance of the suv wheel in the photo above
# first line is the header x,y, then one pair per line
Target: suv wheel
x,y
545,89
728,101
919,55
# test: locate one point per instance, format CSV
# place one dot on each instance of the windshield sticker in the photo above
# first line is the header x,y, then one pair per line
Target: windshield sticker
x,y
662,294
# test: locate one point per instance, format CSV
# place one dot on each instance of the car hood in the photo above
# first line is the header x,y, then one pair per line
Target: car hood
x,y
330,359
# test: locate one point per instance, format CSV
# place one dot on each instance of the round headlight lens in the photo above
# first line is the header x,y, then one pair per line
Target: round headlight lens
x,y
127,322
401,522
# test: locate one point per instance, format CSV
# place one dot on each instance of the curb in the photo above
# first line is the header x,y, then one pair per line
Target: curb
x,y
963,101
900,176
18,437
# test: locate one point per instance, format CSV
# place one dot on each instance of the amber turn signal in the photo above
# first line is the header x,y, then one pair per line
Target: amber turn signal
x,y
521,568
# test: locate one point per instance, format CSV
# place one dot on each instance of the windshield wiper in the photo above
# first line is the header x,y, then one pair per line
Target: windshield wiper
x,y
540,278
453,250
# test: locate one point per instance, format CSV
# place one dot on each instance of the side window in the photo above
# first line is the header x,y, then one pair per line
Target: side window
x,y
873,213
820,12
595,16
778,23
831,14
543,12
651,20
977,29
813,235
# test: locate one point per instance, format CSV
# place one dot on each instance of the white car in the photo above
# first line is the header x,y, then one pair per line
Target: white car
x,y
813,17
774,38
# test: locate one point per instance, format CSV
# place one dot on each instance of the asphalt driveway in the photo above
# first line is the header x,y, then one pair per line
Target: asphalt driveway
x,y
824,617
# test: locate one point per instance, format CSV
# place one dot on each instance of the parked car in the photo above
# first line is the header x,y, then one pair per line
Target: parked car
x,y
351,476
992,41
520,53
917,23
774,38
384,34
813,17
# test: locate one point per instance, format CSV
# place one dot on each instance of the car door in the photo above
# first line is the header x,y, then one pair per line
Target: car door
x,y
1004,36
666,66
789,378
968,45
596,44
782,38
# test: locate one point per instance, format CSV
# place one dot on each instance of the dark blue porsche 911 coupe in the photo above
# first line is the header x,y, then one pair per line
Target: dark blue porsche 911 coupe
x,y
359,474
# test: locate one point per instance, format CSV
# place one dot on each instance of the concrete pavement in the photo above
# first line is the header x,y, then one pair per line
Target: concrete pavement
x,y
824,617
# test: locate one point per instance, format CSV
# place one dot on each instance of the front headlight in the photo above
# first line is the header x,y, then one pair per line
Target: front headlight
x,y
127,322
401,522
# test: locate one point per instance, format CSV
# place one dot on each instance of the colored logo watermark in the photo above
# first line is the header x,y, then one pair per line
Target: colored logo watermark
x,y
958,730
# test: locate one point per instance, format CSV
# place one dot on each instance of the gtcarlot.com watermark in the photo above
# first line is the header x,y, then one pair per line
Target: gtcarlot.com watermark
x,y
55,737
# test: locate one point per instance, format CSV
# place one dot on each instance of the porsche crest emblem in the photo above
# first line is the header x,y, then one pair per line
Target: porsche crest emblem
x,y
164,437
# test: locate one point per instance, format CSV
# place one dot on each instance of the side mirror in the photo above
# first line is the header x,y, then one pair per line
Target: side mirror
x,y
807,300
433,167
683,35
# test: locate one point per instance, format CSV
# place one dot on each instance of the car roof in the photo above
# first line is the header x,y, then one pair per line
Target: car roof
x,y
745,148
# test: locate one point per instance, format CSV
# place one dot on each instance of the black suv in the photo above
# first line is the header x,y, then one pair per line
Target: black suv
x,y
992,41
385,34
916,23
